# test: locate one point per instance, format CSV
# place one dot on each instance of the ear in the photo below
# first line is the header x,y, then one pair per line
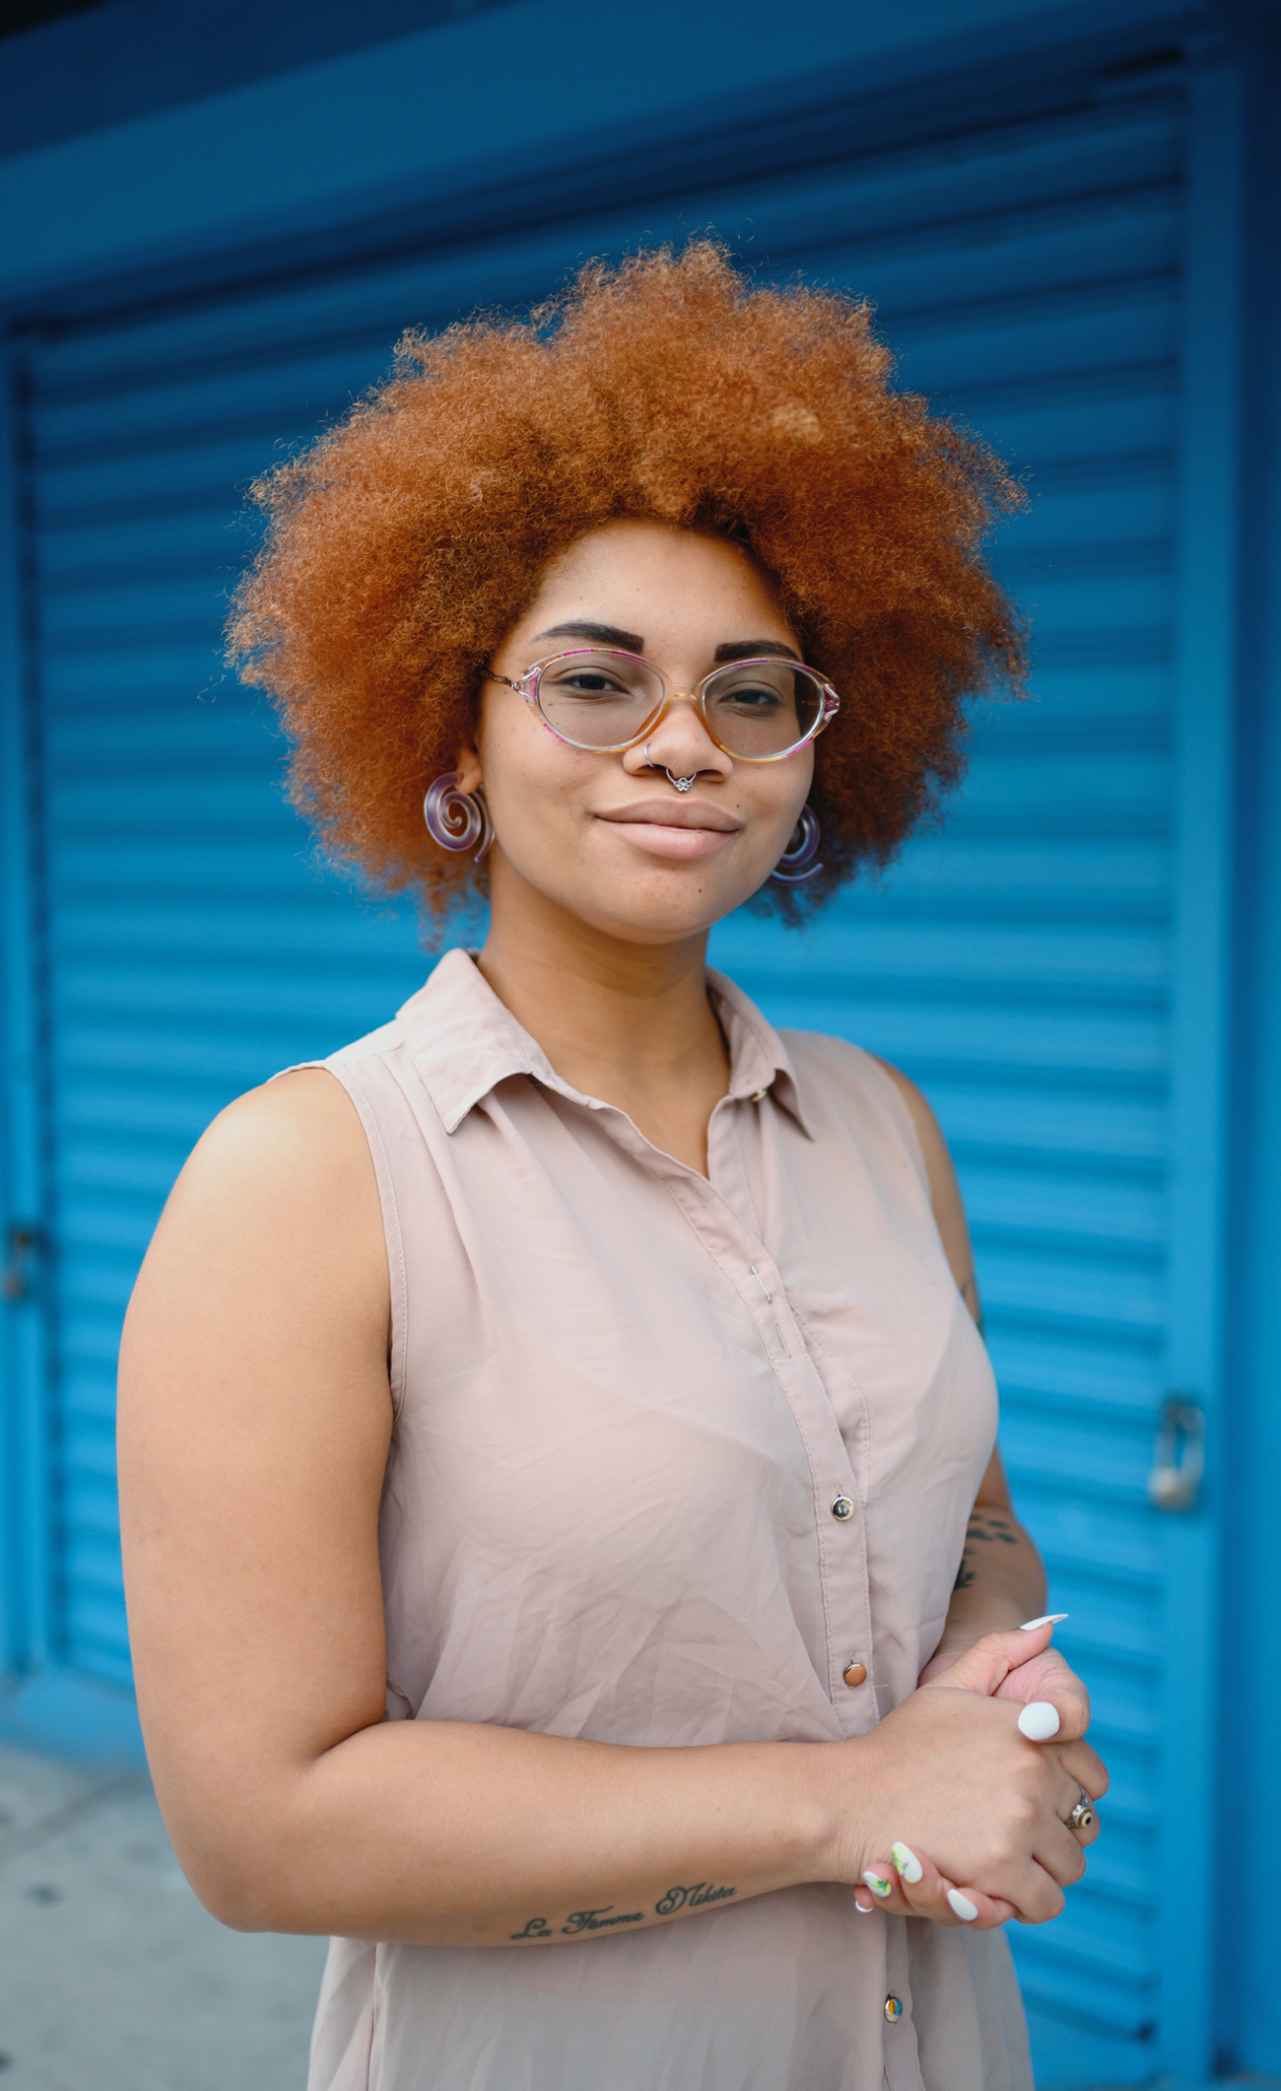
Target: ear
x,y
468,767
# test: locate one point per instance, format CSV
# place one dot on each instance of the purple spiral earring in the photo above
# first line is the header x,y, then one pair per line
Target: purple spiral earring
x,y
455,819
797,861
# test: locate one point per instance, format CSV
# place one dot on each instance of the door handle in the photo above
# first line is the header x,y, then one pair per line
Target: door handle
x,y
1178,1457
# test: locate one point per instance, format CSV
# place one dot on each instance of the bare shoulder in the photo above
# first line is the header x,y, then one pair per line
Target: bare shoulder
x,y
304,1122
296,1143
279,1194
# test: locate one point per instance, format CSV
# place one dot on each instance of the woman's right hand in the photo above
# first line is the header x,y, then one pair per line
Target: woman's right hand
x,y
948,1774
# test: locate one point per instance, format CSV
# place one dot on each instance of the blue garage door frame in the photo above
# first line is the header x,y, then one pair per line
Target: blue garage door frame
x,y
1050,966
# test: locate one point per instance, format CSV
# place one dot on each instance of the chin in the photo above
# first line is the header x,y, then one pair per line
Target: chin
x,y
655,918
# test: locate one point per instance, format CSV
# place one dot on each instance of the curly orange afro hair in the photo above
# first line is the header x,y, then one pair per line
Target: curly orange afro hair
x,y
407,541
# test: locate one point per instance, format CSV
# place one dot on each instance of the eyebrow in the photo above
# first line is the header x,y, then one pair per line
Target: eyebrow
x,y
750,649
596,634
632,642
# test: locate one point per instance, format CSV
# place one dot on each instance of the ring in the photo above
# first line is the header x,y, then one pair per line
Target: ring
x,y
1082,1816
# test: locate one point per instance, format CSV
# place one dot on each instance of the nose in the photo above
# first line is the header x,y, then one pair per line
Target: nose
x,y
680,743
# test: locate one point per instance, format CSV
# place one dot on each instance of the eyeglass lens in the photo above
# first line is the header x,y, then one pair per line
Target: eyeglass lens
x,y
604,700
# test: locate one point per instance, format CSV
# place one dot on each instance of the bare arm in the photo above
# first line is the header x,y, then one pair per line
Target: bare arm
x,y
255,1421
1001,1581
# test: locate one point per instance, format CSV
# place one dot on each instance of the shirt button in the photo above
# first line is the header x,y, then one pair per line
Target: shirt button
x,y
855,1674
893,2010
842,1508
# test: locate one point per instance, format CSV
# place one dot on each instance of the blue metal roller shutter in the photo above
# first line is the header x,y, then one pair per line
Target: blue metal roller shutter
x,y
1017,964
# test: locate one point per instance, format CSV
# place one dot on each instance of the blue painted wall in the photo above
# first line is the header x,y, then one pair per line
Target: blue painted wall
x,y
1251,1622
156,158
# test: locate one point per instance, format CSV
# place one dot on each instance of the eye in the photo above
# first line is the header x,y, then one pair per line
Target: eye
x,y
589,682
750,696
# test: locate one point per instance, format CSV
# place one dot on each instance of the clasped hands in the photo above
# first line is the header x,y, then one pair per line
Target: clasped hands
x,y
980,1813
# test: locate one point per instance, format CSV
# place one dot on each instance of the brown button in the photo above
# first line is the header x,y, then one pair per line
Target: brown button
x,y
855,1673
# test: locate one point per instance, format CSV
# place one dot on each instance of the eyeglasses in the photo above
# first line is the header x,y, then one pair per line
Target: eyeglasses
x,y
597,698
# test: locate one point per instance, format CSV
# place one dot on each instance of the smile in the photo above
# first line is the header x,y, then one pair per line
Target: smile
x,y
675,828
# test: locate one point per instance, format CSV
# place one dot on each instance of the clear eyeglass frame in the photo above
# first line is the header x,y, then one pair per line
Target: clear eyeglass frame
x,y
528,684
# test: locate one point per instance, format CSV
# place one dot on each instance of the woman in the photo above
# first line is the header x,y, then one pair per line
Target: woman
x,y
554,1436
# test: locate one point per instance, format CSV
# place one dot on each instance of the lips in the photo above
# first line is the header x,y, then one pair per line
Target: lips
x,y
674,813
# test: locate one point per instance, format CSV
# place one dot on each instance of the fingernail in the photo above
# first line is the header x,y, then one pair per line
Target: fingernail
x,y
1039,1721
966,1910
877,1885
1030,1626
864,1908
906,1864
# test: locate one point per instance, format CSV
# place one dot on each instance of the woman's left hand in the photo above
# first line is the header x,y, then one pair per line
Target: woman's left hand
x,y
1045,1675
915,1886
910,1885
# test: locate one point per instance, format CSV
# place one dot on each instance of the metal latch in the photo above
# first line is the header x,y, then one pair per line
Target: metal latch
x,y
22,1250
1178,1458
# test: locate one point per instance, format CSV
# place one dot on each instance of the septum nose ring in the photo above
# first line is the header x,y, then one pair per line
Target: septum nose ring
x,y
681,783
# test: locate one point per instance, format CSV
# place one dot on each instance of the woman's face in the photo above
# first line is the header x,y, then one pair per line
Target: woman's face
x,y
606,837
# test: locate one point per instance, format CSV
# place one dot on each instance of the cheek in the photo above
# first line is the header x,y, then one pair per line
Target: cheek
x,y
781,791
535,788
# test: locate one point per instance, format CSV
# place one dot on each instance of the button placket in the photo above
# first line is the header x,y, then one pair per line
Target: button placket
x,y
843,1564
842,1547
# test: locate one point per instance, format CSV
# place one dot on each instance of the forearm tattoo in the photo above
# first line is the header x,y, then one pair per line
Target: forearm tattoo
x,y
985,1528
580,1921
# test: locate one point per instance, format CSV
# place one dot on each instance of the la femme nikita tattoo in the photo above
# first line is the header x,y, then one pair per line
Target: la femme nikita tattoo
x,y
582,1920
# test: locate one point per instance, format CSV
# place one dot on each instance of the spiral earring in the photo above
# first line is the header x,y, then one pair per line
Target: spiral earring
x,y
455,819
797,861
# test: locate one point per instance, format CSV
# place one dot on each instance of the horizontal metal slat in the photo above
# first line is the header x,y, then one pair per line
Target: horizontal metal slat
x,y
1097,1291
938,1040
1047,1206
1083,161
214,463
221,534
1084,244
1047,1453
1134,958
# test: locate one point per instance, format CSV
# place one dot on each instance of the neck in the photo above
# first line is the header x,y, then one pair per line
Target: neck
x,y
628,1023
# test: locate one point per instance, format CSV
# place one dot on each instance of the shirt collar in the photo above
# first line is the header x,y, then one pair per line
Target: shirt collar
x,y
464,1041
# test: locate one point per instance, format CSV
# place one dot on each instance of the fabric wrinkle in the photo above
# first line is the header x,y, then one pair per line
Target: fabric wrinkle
x,y
609,1513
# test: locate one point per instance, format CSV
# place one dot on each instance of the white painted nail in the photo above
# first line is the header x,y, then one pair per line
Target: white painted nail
x,y
1030,1626
961,1905
864,1908
1039,1721
880,1887
906,1864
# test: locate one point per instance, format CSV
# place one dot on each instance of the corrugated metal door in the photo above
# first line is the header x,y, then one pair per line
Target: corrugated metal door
x,y
1019,965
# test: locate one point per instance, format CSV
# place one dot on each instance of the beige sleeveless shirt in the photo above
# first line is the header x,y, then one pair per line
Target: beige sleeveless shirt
x,y
671,1454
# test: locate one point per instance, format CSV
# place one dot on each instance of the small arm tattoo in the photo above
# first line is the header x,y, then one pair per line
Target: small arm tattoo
x,y
988,1527
598,1920
581,1920
578,1920
690,1898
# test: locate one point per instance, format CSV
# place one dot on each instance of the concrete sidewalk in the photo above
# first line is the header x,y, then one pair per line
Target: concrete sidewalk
x,y
112,1976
